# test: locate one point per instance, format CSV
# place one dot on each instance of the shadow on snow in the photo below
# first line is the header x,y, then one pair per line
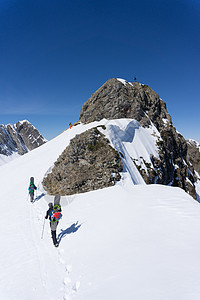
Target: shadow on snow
x,y
72,229
39,197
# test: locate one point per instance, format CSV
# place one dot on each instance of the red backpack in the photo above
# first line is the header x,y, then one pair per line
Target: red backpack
x,y
56,214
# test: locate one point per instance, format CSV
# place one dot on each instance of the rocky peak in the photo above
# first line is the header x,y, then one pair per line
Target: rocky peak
x,y
30,135
117,99
19,138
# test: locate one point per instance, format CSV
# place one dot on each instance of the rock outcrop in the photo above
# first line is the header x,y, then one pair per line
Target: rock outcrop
x,y
19,138
121,99
194,154
117,100
88,163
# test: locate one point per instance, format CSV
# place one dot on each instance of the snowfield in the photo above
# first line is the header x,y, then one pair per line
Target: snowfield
x,y
130,241
5,159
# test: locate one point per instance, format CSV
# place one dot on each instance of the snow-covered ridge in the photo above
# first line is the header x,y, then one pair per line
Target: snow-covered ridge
x,y
135,144
139,149
124,242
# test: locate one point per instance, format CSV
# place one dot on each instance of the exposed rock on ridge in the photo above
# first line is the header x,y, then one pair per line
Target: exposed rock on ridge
x,y
194,154
116,100
120,99
88,163
19,138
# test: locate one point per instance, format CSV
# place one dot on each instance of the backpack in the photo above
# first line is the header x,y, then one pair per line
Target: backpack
x,y
31,187
56,213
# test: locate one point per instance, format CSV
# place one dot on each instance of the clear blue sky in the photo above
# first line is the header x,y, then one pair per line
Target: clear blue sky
x,y
55,53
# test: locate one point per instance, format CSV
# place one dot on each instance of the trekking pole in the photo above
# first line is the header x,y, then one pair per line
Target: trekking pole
x,y
43,229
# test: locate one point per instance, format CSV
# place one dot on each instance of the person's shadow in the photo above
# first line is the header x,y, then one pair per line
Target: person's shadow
x,y
39,197
72,229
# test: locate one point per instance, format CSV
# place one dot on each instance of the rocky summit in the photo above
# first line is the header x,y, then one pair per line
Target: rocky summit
x,y
88,163
19,138
118,99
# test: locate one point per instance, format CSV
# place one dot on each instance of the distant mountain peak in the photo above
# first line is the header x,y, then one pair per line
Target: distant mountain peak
x,y
19,138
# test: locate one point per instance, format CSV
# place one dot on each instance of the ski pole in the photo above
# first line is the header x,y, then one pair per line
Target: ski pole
x,y
43,229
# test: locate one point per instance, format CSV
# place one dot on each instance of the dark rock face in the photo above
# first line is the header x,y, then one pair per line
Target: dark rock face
x,y
88,163
116,99
30,135
19,138
194,154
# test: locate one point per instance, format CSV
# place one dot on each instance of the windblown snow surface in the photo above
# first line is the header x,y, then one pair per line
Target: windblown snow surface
x,y
4,159
130,241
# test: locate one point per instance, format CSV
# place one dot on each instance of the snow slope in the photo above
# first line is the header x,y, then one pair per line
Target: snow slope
x,y
5,159
124,242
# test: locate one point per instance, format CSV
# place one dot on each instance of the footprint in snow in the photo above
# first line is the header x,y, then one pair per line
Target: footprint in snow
x,y
68,268
76,286
61,260
67,280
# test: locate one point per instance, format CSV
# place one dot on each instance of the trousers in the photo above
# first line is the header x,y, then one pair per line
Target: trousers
x,y
53,234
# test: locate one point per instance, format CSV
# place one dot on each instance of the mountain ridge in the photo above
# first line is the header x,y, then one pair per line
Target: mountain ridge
x,y
109,238
118,99
18,139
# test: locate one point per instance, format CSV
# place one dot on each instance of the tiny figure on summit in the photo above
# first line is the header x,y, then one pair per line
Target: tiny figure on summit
x,y
32,189
54,214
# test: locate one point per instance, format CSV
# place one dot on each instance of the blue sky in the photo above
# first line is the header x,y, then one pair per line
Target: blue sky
x,y
55,54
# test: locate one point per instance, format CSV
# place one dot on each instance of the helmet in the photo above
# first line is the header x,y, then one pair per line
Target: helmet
x,y
50,204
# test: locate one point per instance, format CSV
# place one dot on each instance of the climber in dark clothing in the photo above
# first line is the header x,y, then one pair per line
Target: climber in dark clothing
x,y
53,223
49,211
31,190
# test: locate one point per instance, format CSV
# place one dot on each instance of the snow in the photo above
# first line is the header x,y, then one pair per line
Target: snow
x,y
165,121
5,159
124,81
130,241
194,143
133,141
24,121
